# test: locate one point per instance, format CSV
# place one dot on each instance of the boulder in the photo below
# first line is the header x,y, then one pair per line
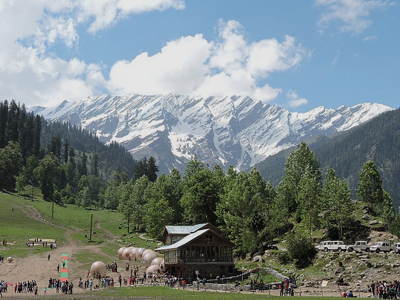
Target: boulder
x,y
257,258
373,222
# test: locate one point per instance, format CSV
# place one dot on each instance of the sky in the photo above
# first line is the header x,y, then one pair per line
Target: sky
x,y
292,53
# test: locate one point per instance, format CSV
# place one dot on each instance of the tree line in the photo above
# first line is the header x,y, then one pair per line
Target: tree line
x,y
250,211
67,163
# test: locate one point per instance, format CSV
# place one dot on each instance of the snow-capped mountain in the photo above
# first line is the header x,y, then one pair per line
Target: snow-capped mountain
x,y
235,130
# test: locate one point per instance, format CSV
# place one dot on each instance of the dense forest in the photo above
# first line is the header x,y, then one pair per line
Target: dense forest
x,y
70,166
377,140
250,211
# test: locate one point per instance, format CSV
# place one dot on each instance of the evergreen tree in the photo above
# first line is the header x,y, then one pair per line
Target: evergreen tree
x,y
245,209
388,211
3,123
10,165
309,191
55,146
47,173
141,169
201,192
300,161
158,212
370,186
36,136
82,166
132,203
72,156
12,122
95,169
152,169
336,203
66,151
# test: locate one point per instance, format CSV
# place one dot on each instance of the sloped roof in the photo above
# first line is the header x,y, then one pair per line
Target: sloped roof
x,y
183,241
184,229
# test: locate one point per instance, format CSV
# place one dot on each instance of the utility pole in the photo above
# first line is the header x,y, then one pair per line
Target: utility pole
x,y
52,209
128,221
91,225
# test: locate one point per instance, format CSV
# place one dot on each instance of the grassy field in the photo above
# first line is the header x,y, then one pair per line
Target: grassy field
x,y
19,220
16,226
165,293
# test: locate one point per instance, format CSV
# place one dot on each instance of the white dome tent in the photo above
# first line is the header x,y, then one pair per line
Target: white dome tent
x,y
98,267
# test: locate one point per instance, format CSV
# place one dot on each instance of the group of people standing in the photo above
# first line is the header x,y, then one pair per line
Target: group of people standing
x,y
385,290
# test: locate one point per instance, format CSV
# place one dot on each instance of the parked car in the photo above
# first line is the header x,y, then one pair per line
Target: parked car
x,y
395,247
323,246
337,246
331,246
361,245
380,246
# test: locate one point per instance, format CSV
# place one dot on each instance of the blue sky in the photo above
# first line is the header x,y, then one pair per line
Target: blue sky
x,y
296,54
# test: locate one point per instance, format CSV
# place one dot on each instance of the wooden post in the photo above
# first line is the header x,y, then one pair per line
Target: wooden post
x,y
91,226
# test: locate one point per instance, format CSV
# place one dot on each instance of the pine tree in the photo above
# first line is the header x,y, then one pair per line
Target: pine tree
x,y
370,185
152,169
66,151
300,162
336,203
36,135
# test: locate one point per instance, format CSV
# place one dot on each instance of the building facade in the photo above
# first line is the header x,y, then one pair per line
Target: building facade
x,y
199,251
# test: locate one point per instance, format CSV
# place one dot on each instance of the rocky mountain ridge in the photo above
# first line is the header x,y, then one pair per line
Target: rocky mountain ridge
x,y
233,130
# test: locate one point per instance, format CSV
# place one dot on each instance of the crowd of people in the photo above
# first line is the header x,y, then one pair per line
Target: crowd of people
x,y
384,289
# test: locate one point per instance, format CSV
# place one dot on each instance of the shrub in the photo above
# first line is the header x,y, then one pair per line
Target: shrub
x,y
301,248
284,257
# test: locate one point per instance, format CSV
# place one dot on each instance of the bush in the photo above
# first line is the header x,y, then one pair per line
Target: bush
x,y
284,257
301,248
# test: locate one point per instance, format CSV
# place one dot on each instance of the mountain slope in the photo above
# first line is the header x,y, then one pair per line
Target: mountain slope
x,y
377,140
236,131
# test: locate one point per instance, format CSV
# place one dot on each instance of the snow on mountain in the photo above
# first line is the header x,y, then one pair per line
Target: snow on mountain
x,y
234,130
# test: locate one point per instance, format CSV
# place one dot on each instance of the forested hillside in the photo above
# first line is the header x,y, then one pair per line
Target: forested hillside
x,y
377,140
109,157
64,163
68,164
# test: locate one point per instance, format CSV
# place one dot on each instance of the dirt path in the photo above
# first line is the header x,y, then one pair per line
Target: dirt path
x,y
39,267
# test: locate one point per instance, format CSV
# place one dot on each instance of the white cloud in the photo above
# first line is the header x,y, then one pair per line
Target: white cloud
x,y
267,56
336,59
354,15
188,65
370,38
192,65
107,12
28,73
178,68
295,100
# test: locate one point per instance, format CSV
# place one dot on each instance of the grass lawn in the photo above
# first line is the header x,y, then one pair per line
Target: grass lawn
x,y
16,227
167,293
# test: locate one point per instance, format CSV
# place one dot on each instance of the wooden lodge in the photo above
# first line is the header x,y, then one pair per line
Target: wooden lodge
x,y
198,251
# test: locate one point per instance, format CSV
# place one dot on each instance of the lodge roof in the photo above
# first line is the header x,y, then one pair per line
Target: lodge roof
x,y
183,241
184,229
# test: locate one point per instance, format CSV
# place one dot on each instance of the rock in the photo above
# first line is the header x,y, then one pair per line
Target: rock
x,y
339,270
257,258
373,222
366,217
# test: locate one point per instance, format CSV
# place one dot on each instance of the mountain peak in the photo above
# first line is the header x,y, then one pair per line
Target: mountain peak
x,y
231,130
